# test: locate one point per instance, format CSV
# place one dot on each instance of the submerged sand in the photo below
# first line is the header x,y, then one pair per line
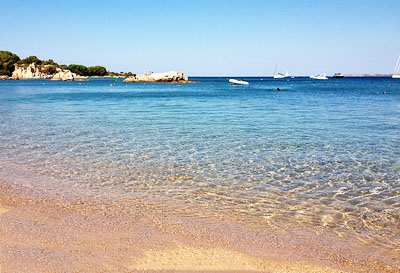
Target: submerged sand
x,y
39,234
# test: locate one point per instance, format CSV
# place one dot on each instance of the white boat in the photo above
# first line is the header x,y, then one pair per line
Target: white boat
x,y
281,76
238,82
319,77
396,74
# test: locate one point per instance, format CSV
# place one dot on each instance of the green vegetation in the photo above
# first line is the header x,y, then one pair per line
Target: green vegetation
x,y
97,71
49,69
31,59
49,62
79,69
8,60
87,71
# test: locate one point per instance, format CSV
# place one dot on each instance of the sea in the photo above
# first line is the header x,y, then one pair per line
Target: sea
x,y
294,152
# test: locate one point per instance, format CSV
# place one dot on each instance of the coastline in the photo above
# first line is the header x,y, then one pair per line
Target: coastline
x,y
95,235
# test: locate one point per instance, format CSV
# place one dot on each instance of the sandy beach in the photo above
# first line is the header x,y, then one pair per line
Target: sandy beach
x,y
39,234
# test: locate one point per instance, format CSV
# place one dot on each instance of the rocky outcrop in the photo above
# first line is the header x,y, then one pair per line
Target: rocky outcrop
x,y
63,75
67,75
171,76
29,72
39,72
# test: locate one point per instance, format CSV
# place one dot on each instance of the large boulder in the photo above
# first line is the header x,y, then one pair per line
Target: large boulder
x,y
171,76
63,75
67,75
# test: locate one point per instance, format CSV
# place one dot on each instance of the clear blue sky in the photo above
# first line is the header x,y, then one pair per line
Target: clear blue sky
x,y
208,37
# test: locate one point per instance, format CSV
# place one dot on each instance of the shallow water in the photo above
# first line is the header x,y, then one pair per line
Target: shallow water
x,y
320,154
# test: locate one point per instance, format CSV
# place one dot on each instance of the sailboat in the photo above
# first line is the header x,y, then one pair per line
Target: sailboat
x,y
396,74
280,75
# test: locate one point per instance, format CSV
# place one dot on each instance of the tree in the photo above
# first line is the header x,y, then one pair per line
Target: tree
x,y
31,59
97,70
49,69
79,69
7,61
49,62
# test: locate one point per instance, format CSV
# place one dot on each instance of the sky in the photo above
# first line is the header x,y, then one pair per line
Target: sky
x,y
208,37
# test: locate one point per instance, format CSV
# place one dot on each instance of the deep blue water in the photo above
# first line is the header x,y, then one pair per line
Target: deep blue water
x,y
316,153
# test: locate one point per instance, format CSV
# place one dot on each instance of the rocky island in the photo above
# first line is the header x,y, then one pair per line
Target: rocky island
x,y
12,67
47,72
171,76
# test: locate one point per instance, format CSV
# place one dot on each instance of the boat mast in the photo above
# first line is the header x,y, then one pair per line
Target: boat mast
x,y
397,67
276,67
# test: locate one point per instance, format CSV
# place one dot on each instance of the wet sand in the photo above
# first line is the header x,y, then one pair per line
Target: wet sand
x,y
54,234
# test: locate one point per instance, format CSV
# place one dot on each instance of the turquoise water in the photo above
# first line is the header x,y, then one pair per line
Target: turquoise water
x,y
323,154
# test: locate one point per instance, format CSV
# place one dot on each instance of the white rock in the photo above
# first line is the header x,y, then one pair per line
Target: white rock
x,y
170,76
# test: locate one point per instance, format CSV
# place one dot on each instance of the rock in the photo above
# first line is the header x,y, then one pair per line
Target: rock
x,y
171,76
29,72
34,72
67,75
62,75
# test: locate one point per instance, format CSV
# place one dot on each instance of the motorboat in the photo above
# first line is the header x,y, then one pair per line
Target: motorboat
x,y
238,82
319,77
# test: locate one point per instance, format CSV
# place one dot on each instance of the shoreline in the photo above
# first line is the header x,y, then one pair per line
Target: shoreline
x,y
96,235
348,76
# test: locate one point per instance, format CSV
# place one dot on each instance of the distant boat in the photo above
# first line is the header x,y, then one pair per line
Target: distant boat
x,y
338,76
238,82
281,76
396,74
319,77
